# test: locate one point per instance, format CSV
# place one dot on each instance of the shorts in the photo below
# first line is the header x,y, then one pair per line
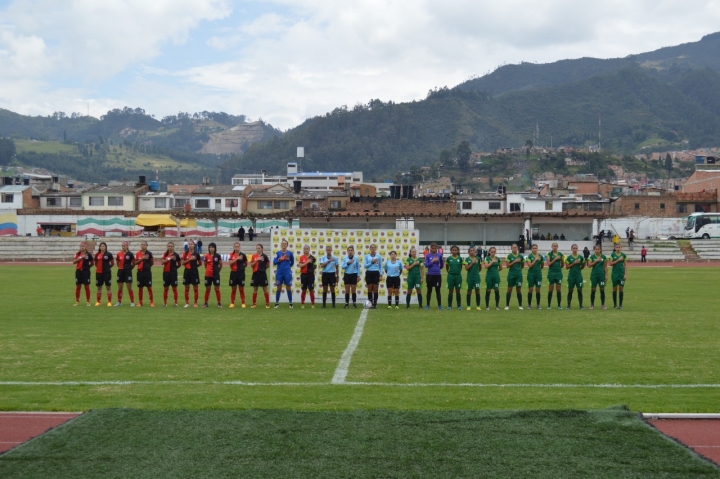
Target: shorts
x,y
212,280
144,279
329,279
350,279
392,282
473,282
259,279
124,276
170,278
597,281
372,277
454,281
433,280
618,281
534,280
191,276
286,279
492,281
575,282
82,276
413,281
237,278
307,281
514,280
103,278
555,279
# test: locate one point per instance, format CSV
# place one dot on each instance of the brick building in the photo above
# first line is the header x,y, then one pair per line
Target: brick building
x,y
665,205
390,206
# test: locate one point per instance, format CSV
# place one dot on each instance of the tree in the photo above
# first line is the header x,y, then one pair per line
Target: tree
x,y
668,162
7,151
445,156
463,156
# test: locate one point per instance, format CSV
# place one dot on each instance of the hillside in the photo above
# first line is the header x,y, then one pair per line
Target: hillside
x,y
382,138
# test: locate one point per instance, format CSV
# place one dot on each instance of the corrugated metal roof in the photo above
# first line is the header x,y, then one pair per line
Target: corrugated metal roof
x,y
14,188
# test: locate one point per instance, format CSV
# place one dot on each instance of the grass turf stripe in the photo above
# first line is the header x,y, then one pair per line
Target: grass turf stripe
x,y
344,365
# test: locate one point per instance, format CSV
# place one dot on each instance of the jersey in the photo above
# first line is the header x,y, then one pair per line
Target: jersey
x,y
332,263
351,265
284,266
309,268
474,270
124,261
262,265
193,257
86,262
143,264
555,270
414,273
454,265
370,266
598,269
103,262
172,265
517,267
213,265
618,269
241,262
393,269
575,263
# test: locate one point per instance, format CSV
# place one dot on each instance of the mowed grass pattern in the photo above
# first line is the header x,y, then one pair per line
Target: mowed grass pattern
x,y
668,334
537,444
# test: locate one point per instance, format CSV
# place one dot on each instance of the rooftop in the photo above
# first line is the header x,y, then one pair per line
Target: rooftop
x,y
118,190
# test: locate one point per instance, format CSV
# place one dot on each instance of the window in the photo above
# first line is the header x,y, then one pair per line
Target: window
x,y
335,205
637,206
514,207
202,204
681,208
181,202
53,202
160,203
8,198
280,205
466,205
595,206
662,206
548,206
115,200
97,201
76,201
264,205
231,203
217,201
314,206
494,205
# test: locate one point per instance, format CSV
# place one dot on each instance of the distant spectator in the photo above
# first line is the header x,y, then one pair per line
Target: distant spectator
x,y
615,239
548,236
241,234
627,232
198,244
562,236
185,246
609,235
643,254
556,237
40,231
251,233
586,253
631,241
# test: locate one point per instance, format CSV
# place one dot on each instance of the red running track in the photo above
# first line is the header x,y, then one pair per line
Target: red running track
x,y
700,435
19,427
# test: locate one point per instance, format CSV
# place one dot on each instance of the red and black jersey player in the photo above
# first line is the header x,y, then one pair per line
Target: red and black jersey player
x,y
83,260
170,262
124,260
213,265
238,262
104,262
190,260
144,261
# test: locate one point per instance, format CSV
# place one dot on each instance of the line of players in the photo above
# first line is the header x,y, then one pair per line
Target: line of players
x,y
373,264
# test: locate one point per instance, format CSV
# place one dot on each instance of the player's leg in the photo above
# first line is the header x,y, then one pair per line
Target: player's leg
x,y
266,293
353,292
569,296
518,293
602,296
621,294
558,290
208,283
508,294
614,295
497,298
580,294
531,290
254,296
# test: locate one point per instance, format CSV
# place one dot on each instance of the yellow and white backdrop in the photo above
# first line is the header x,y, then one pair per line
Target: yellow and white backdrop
x,y
318,239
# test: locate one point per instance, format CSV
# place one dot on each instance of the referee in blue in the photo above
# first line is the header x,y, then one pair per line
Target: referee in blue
x,y
373,265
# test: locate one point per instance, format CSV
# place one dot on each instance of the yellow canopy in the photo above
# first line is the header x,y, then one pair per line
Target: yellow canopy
x,y
164,220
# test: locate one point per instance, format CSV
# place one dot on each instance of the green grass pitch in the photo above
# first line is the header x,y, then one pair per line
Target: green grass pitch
x,y
659,354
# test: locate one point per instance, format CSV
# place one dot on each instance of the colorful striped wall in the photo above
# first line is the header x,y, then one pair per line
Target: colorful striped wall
x,y
101,225
8,224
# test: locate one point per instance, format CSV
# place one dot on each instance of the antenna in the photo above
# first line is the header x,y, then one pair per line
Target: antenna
x,y
599,133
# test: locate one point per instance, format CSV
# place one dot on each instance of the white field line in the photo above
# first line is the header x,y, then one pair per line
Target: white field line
x,y
341,371
672,415
359,383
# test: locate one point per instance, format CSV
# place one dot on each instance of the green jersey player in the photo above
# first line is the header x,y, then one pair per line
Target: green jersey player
x,y
515,263
555,263
575,263
472,266
453,266
618,261
534,262
493,265
598,275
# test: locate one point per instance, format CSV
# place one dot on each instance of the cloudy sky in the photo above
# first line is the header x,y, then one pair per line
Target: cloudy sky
x,y
285,61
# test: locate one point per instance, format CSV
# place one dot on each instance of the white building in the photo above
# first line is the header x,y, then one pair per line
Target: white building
x,y
156,201
317,180
531,203
61,200
17,197
481,203
225,198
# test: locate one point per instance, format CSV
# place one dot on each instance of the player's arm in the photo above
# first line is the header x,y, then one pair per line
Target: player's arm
x,y
337,270
92,259
605,269
292,259
422,273
276,259
625,263
112,261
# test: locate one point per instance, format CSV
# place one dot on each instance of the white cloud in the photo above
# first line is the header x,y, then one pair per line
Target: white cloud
x,y
300,58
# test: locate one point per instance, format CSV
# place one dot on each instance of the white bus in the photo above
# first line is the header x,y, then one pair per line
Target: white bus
x,y
702,225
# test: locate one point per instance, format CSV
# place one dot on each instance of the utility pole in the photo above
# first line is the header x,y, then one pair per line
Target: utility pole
x,y
599,133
